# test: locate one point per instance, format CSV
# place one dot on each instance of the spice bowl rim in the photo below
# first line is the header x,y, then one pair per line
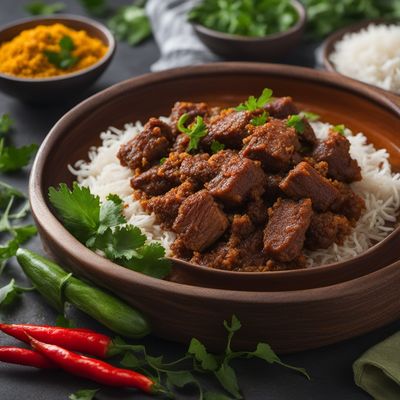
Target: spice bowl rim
x,y
62,18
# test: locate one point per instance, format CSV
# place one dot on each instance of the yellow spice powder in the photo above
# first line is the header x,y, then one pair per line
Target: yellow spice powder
x,y
24,56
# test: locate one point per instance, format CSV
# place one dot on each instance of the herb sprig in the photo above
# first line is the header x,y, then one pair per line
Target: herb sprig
x,y
310,116
63,59
296,122
41,8
253,104
340,129
195,131
260,119
101,226
6,123
216,146
14,158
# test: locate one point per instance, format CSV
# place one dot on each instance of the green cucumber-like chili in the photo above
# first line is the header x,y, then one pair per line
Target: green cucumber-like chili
x,y
50,281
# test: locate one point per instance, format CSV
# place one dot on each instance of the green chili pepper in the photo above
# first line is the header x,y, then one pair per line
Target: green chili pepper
x,y
55,285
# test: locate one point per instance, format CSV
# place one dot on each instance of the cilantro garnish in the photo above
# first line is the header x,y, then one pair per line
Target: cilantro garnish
x,y
9,293
309,115
339,129
195,131
253,104
101,226
216,146
162,161
64,59
130,23
296,121
6,123
260,120
84,394
41,8
14,158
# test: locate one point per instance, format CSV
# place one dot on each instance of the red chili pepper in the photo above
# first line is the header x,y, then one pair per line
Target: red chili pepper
x,y
30,358
82,340
96,370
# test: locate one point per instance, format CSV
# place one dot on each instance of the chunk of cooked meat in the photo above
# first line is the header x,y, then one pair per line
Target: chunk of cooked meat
x,y
229,128
348,204
197,168
304,181
160,178
149,145
274,144
185,107
281,107
166,206
285,232
325,229
257,210
200,221
308,135
181,143
335,151
272,189
238,178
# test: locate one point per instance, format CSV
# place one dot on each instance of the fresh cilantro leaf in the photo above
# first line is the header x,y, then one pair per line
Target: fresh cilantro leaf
x,y
98,8
64,59
309,115
130,24
195,131
41,8
130,360
6,192
8,293
227,378
339,129
22,212
260,120
84,394
110,214
7,251
253,104
150,260
296,122
115,198
162,161
24,233
207,361
216,146
78,209
181,378
6,123
13,158
63,322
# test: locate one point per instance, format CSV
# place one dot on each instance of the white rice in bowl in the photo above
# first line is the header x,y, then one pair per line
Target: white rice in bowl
x,y
380,188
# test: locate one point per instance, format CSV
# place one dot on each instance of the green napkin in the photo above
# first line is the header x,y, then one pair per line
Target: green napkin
x,y
377,371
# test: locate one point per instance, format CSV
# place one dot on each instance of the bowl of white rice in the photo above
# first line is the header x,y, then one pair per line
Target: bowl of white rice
x,y
82,146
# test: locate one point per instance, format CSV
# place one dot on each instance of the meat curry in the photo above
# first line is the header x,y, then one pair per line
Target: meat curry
x,y
246,188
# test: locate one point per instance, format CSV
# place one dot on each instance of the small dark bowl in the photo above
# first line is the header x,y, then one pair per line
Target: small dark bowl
x,y
266,48
59,88
328,47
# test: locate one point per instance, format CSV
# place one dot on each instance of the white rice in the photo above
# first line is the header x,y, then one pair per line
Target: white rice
x,y
371,55
380,189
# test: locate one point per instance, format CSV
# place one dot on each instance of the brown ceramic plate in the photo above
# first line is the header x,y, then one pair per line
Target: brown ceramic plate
x,y
287,308
329,44
267,48
59,88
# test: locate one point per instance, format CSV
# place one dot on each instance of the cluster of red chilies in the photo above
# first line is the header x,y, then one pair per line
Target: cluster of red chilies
x,y
53,347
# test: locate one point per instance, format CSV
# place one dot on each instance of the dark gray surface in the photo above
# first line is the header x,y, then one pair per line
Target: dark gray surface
x,y
330,367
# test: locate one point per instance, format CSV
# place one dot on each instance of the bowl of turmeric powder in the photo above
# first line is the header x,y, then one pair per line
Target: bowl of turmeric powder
x,y
50,59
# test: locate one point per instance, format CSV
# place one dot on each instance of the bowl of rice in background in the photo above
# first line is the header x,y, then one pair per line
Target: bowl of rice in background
x,y
368,51
357,286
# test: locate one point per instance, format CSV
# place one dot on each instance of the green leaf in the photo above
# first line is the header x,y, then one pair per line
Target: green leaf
x,y
309,115
207,361
216,146
63,322
227,378
296,122
24,233
195,131
6,123
260,120
6,192
114,198
8,293
97,8
130,24
84,394
162,161
64,59
78,209
41,8
253,104
181,378
13,158
22,212
339,129
66,43
110,214
130,360
4,220
150,261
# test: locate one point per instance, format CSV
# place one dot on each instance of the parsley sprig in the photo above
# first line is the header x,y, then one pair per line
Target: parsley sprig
x,y
340,129
63,59
216,146
260,119
253,104
195,130
14,158
310,116
296,122
101,226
